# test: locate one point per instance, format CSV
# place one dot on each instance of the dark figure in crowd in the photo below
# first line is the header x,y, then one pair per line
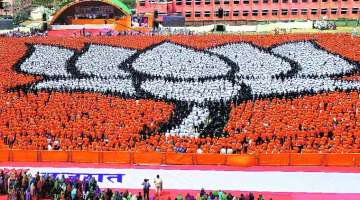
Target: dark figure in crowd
x,y
146,189
242,197
251,196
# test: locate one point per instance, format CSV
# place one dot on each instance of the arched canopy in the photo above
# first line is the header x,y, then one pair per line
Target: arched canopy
x,y
119,8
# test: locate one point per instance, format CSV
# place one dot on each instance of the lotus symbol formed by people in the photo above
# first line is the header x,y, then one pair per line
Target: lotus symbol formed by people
x,y
202,84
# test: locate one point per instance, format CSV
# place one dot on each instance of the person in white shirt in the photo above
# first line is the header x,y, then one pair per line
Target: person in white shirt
x,y
158,185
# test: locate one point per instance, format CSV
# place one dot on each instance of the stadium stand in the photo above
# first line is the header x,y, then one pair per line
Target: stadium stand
x,y
303,98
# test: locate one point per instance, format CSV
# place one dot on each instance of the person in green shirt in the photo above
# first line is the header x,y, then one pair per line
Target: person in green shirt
x,y
261,197
179,197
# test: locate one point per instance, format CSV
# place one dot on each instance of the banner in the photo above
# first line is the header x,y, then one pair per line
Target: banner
x,y
188,179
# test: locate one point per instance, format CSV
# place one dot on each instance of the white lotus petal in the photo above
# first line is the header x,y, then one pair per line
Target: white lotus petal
x,y
188,126
90,84
274,86
179,62
47,60
252,61
314,61
199,92
103,61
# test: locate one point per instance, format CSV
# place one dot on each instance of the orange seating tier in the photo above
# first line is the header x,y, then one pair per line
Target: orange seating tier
x,y
114,124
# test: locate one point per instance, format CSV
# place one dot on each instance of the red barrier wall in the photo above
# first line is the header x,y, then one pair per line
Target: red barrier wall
x,y
241,160
156,158
307,159
281,159
179,159
340,160
23,156
54,156
210,159
148,158
116,157
4,155
85,156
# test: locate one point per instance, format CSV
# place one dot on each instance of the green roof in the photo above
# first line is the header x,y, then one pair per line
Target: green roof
x,y
122,6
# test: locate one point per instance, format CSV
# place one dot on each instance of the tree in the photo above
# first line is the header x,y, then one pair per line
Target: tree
x,y
130,3
20,15
51,3
5,6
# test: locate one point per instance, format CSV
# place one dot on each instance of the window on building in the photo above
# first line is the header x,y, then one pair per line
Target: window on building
x,y
245,13
334,0
142,2
265,1
178,13
324,11
355,11
236,1
197,14
254,13
188,2
304,11
275,1
188,14
274,12
245,1
255,1
344,0
344,11
313,11
207,14
284,11
324,0
285,1
178,2
304,1
197,2
334,11
236,13
264,12
217,2
226,1
294,11
295,1
207,2
314,1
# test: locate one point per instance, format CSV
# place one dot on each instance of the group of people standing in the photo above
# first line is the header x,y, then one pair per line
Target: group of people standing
x,y
158,187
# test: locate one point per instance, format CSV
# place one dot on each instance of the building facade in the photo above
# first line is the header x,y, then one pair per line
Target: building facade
x,y
14,6
252,10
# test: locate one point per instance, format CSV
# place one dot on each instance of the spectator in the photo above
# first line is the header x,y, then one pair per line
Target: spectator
x,y
146,189
179,197
158,185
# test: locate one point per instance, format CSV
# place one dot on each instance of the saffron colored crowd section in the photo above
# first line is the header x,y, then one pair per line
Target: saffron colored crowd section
x,y
47,109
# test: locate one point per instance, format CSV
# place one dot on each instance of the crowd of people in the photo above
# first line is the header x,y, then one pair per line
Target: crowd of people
x,y
24,34
22,185
286,100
